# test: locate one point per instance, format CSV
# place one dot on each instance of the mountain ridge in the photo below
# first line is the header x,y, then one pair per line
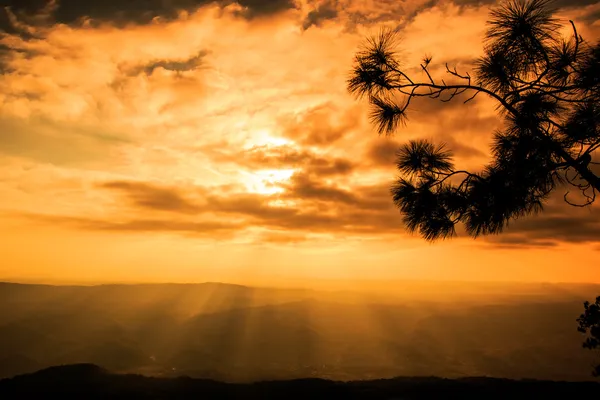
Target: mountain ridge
x,y
92,381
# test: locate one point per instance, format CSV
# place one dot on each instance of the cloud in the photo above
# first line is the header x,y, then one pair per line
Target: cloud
x,y
322,125
465,129
121,13
520,242
258,8
558,223
305,188
173,65
306,206
323,12
279,157
565,228
573,3
22,17
383,152
145,195
199,228
592,16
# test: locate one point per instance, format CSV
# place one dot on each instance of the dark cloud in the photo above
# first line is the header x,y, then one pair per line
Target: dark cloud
x,y
394,11
477,3
258,8
312,206
453,123
567,228
591,17
555,3
286,157
573,3
470,3
422,108
558,4
559,222
359,198
519,242
124,12
17,16
119,12
459,149
330,166
315,207
318,207
184,65
303,187
454,115
383,152
321,126
323,12
153,197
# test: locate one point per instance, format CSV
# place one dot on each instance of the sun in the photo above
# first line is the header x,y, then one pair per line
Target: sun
x,y
267,181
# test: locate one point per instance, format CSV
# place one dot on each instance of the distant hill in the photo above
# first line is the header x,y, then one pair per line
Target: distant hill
x,y
87,381
242,334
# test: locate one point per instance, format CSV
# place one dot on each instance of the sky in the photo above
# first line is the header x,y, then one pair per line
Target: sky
x,y
196,140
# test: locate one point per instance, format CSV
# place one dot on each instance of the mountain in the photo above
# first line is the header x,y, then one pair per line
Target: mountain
x,y
241,334
87,381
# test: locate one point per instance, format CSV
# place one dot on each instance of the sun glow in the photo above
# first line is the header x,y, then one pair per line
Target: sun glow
x,y
268,181
264,137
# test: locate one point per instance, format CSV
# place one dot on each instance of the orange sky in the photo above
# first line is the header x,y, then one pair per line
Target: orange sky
x,y
198,140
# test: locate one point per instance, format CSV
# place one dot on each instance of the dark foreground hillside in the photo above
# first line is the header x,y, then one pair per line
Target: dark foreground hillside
x,y
87,381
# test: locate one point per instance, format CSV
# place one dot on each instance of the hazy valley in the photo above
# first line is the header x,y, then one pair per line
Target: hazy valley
x,y
237,333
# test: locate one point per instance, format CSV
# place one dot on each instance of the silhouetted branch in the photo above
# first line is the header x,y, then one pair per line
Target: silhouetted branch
x,y
578,39
546,89
470,98
454,72
424,67
589,200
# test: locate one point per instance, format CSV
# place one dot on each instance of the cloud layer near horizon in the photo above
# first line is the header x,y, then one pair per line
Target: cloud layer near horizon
x,y
226,121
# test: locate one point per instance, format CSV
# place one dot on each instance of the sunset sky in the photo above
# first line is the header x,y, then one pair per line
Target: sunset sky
x,y
191,140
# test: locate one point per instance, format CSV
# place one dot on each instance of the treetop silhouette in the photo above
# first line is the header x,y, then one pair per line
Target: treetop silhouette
x,y
547,90
589,323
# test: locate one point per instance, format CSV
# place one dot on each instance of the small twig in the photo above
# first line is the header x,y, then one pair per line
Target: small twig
x,y
577,38
471,98
589,201
428,75
455,73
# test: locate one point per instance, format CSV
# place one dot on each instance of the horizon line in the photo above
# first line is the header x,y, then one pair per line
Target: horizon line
x,y
301,284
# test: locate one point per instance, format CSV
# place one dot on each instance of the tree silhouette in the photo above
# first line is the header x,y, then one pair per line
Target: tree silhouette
x,y
546,89
590,321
